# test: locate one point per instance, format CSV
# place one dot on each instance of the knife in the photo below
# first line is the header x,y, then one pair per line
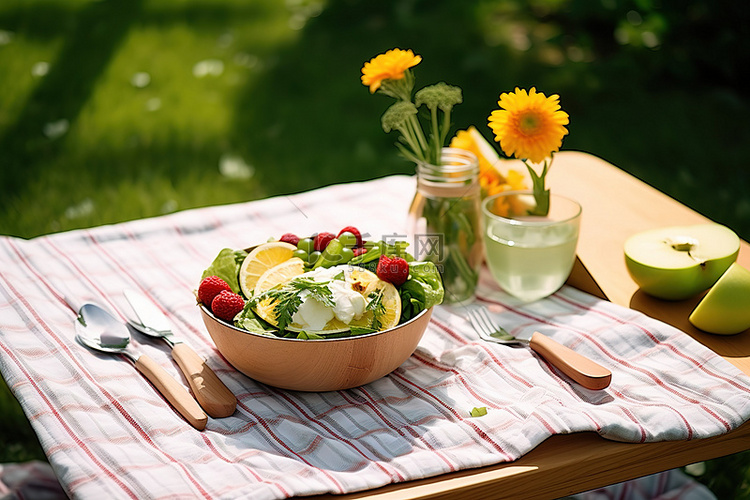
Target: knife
x,y
215,398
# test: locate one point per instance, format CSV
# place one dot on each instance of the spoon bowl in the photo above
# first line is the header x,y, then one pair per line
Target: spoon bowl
x,y
97,329
97,345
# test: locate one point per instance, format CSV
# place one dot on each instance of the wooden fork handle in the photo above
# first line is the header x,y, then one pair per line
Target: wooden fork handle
x,y
209,390
175,393
586,372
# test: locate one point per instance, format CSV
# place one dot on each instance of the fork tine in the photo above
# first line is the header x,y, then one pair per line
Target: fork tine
x,y
481,321
488,330
490,327
474,319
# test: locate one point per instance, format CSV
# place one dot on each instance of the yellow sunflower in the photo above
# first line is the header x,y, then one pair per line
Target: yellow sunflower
x,y
389,66
529,125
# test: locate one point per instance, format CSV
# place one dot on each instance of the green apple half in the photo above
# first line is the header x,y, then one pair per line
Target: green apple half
x,y
678,262
726,307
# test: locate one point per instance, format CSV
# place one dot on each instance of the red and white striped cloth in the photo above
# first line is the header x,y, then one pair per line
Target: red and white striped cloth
x,y
108,433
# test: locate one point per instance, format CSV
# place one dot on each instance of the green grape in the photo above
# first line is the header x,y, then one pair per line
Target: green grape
x,y
348,239
331,255
306,244
347,254
313,257
302,254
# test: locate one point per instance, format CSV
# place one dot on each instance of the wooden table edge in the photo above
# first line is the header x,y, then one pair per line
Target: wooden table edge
x,y
586,461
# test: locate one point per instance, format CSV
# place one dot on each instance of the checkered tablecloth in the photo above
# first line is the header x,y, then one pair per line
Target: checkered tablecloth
x,y
108,433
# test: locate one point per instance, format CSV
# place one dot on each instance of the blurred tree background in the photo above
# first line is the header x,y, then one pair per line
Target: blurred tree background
x,y
119,109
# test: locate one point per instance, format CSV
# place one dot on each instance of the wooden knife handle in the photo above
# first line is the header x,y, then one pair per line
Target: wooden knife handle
x,y
586,372
209,390
175,393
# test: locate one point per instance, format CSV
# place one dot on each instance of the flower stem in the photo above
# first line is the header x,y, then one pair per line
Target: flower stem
x,y
416,130
411,141
446,126
435,142
541,194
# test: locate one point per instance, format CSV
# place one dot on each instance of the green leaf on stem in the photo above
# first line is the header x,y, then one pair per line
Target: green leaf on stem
x,y
541,194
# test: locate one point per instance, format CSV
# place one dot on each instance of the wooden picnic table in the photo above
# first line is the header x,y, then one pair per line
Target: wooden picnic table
x,y
615,206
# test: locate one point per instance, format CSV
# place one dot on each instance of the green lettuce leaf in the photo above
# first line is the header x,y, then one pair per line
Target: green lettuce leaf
x,y
248,320
226,266
422,290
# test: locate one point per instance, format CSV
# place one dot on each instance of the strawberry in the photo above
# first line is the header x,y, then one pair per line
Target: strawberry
x,y
227,305
322,240
210,287
394,270
355,232
290,238
359,251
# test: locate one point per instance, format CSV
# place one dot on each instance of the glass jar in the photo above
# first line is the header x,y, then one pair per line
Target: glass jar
x,y
445,221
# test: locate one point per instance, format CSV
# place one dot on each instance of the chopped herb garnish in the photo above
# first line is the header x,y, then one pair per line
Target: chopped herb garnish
x,y
377,307
478,412
288,297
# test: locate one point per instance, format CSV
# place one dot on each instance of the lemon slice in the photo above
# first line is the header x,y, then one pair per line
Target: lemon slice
x,y
261,259
391,301
276,275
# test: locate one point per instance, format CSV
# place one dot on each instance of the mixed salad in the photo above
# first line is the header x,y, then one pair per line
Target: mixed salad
x,y
322,286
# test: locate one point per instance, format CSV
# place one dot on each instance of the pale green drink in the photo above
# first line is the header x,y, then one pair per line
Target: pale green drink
x,y
531,257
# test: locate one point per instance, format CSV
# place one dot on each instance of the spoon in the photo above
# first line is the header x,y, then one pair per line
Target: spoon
x,y
215,398
97,329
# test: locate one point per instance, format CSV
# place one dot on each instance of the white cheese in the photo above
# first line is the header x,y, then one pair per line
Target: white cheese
x,y
312,314
348,304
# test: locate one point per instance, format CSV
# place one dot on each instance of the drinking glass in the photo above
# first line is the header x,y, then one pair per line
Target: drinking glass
x,y
530,256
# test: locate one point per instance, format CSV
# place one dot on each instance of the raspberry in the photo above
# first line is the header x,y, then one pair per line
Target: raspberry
x,y
355,232
210,287
227,305
290,238
359,251
322,240
394,270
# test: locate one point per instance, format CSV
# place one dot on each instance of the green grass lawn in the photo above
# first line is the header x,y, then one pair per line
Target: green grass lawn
x,y
113,110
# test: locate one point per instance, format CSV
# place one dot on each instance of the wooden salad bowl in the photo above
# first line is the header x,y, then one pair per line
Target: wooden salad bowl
x,y
316,365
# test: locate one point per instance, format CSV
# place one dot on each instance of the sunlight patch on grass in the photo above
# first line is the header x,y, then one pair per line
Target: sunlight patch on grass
x,y
17,82
151,133
71,203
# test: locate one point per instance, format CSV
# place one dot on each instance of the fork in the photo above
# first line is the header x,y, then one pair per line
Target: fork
x,y
586,372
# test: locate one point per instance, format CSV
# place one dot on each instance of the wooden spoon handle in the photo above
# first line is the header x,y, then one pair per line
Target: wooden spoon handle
x,y
175,393
586,372
209,390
